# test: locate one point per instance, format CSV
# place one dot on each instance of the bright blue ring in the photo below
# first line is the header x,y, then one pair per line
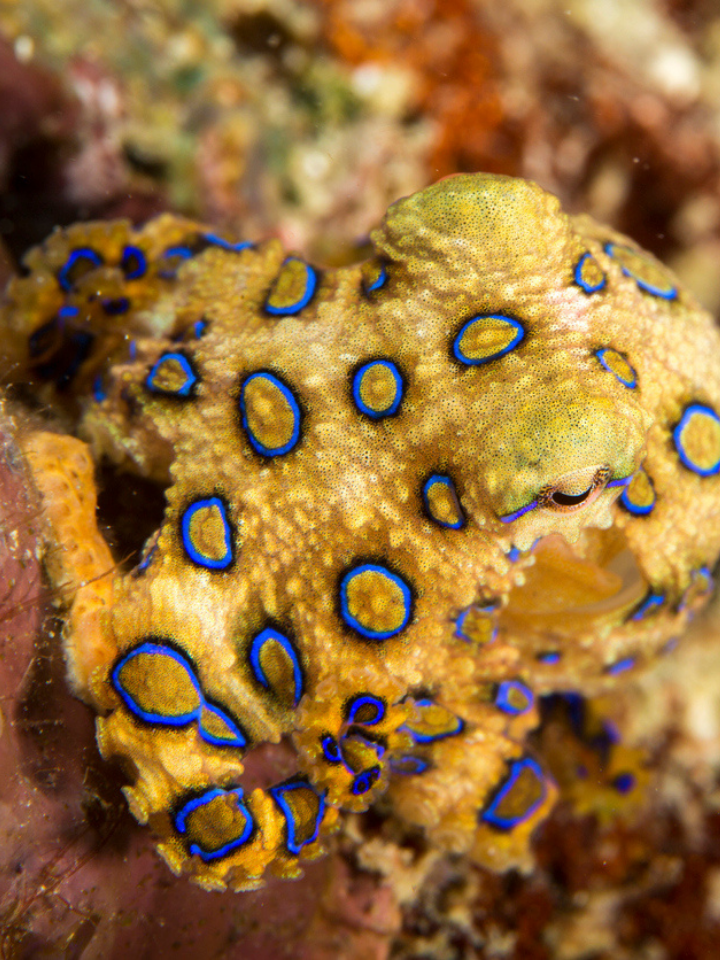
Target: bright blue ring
x,y
184,253
238,738
362,701
503,697
416,765
331,749
418,737
650,602
82,253
630,384
632,508
156,649
294,406
277,794
128,253
355,624
460,621
620,666
269,633
190,806
459,355
509,517
549,656
379,281
507,823
677,438
365,781
669,293
310,285
624,782
447,482
399,389
191,377
217,241
195,555
587,287
619,482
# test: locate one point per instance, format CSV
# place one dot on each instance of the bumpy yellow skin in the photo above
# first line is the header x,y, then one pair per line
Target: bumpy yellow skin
x,y
405,499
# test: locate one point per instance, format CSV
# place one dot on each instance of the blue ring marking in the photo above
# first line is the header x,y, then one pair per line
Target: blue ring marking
x,y
132,253
620,666
669,293
587,287
237,738
304,300
633,508
418,737
379,281
293,845
355,624
519,335
115,307
516,769
221,563
132,350
408,766
217,241
399,389
365,781
67,312
509,517
503,697
98,389
182,253
619,482
270,633
624,782
650,603
81,253
331,749
677,438
191,378
460,622
600,354
548,656
362,701
447,482
181,816
157,649
294,406
199,328
513,554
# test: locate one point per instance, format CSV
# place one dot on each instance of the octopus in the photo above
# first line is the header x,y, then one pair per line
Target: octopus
x,y
404,500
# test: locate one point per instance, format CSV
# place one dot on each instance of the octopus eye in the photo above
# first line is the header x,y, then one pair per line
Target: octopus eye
x,y
564,496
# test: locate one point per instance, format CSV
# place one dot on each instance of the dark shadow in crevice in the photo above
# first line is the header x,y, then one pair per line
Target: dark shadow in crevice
x,y
130,511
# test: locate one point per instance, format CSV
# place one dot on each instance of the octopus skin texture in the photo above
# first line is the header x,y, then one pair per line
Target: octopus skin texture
x,y
405,499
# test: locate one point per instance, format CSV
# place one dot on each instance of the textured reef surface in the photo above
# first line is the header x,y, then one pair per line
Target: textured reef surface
x,y
404,500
